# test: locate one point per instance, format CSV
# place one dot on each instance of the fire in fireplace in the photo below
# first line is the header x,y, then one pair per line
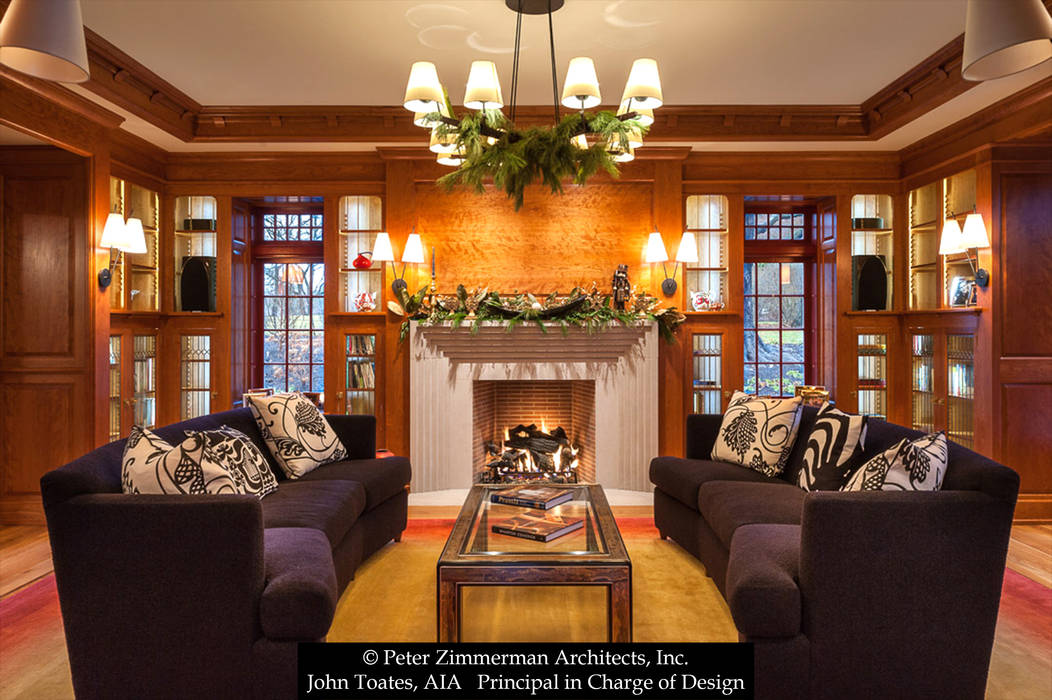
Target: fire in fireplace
x,y
529,453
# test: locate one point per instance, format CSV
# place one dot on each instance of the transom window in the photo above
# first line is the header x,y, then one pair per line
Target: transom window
x,y
292,227
775,226
775,316
293,326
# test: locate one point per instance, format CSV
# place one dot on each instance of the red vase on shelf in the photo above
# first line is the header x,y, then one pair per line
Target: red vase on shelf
x,y
364,260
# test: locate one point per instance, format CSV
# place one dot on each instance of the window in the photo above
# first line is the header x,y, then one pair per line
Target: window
x,y
292,227
293,326
775,315
775,226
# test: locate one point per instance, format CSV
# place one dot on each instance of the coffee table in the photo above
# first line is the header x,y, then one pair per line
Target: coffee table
x,y
594,555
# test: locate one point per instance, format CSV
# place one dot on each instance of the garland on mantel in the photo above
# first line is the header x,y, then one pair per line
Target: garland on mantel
x,y
592,311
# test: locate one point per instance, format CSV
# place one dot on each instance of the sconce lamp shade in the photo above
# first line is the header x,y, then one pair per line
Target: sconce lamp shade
x,y
644,85
656,249
483,91
423,91
113,233
382,251
688,248
581,88
951,240
135,237
45,39
414,249
1002,37
974,233
643,115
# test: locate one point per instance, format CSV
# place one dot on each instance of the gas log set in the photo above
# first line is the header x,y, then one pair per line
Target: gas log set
x,y
529,453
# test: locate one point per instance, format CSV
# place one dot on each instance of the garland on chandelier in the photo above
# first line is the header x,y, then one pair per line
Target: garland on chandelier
x,y
592,311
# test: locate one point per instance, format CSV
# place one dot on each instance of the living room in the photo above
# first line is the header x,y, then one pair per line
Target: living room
x,y
420,337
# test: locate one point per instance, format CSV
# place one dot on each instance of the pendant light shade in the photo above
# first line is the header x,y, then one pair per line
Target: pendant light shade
x,y
688,248
974,233
423,92
45,39
644,85
581,88
580,141
656,249
1002,37
635,138
643,115
135,237
442,144
951,243
382,251
414,249
483,91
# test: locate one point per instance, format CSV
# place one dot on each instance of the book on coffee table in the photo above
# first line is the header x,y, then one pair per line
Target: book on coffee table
x,y
540,497
538,525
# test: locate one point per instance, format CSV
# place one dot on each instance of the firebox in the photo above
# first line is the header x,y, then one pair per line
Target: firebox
x,y
533,430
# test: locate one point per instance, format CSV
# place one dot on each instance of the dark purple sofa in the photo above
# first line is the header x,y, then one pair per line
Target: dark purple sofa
x,y
207,596
848,595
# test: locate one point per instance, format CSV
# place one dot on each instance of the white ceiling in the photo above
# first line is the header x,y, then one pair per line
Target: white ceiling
x,y
317,52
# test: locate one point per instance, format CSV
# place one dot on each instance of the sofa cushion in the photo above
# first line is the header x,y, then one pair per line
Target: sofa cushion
x,y
299,591
241,457
727,505
151,465
917,465
296,433
382,478
834,445
680,478
758,432
329,506
762,580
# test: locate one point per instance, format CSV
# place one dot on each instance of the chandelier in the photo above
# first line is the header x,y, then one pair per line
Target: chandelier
x,y
486,145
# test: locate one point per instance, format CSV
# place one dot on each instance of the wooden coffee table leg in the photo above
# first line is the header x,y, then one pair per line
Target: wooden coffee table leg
x,y
621,610
447,610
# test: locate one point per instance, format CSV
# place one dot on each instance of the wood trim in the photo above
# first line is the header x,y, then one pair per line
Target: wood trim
x,y
1033,508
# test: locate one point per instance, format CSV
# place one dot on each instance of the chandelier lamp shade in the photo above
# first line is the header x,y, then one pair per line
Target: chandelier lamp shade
x,y
1002,37
45,39
483,90
581,87
423,92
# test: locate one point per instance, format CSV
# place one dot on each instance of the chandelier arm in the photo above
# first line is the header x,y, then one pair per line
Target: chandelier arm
x,y
555,80
515,62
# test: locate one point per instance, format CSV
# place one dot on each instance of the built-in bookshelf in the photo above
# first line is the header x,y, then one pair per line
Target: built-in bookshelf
x,y
872,386
144,378
195,252
706,218
923,382
360,386
924,247
135,279
361,218
960,388
959,200
115,388
707,373
872,243
195,372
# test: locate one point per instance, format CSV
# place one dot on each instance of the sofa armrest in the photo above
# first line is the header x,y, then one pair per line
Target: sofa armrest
x,y
762,591
357,433
702,429
159,584
901,590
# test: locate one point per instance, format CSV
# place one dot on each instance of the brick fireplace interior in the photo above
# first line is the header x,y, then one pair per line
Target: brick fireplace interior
x,y
499,405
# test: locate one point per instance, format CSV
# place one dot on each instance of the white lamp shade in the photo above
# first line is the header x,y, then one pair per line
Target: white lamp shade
x,y
974,233
420,118
450,159
688,248
423,92
414,249
656,249
135,237
580,141
644,85
951,240
581,88
643,115
635,138
382,251
442,144
625,156
113,235
45,39
483,89
1002,37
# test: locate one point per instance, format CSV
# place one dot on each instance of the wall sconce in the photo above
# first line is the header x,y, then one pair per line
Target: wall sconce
x,y
656,253
120,237
955,240
384,253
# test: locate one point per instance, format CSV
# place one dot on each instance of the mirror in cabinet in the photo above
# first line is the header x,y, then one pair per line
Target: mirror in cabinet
x,y
872,247
195,253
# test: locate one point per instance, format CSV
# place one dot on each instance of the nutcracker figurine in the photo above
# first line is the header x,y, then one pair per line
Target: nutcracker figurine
x,y
622,289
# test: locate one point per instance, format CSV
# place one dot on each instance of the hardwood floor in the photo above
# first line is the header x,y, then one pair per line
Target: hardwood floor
x,y
25,556
1030,552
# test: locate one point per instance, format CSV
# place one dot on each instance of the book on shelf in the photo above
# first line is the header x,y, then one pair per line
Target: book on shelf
x,y
538,526
539,497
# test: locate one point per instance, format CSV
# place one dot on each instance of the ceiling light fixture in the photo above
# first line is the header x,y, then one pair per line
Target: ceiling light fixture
x,y
45,39
1002,37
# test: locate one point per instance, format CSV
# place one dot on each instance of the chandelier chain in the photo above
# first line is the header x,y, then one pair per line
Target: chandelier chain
x,y
515,62
555,79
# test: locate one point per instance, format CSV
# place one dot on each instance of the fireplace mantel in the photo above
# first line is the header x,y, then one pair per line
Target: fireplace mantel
x,y
445,362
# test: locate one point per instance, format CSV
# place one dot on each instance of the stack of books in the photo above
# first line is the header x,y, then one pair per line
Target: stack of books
x,y
535,523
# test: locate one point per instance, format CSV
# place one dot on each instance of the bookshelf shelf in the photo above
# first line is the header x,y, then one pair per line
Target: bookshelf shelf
x,y
195,253
870,243
706,217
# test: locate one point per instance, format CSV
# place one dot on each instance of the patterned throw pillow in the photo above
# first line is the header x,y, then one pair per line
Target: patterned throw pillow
x,y
296,433
919,465
758,433
151,465
836,440
235,452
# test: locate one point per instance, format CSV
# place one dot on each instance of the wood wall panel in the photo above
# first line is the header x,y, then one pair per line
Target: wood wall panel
x,y
1026,265
1027,416
26,404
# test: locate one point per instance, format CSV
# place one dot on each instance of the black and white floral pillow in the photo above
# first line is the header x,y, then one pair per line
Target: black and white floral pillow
x,y
917,465
835,442
758,433
151,465
235,452
296,433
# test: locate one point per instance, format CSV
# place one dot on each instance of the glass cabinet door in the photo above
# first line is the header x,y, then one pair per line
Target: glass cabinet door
x,y
195,253
923,381
960,385
360,390
872,374
707,373
195,364
114,432
144,376
361,218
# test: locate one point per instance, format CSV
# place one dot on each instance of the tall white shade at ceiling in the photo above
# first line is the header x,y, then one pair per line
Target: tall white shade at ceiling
x,y
45,39
950,242
1002,37
423,92
688,248
656,249
414,249
643,115
113,233
581,88
644,85
483,91
974,233
382,251
135,237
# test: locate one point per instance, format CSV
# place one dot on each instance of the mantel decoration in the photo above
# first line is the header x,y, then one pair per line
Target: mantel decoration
x,y
487,145
592,311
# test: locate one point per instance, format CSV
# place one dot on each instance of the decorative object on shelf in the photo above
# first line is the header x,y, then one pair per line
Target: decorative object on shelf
x,y
45,39
433,289
704,301
956,240
120,237
870,291
488,144
365,301
962,292
863,223
1005,37
363,261
199,225
622,288
813,395
593,311
197,283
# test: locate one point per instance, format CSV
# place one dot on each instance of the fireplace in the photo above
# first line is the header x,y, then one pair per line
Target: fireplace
x,y
533,430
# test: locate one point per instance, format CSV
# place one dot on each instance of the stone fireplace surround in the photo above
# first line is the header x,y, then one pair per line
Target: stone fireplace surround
x,y
445,363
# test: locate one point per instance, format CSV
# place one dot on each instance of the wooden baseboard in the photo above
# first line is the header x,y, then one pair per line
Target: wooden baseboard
x,y
23,509
1033,508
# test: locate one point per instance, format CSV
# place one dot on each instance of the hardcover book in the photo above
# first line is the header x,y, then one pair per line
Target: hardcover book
x,y
538,525
540,497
